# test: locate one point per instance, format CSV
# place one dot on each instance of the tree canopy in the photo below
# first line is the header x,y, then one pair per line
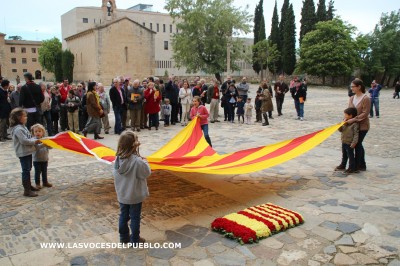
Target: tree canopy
x,y
204,30
329,50
259,33
15,37
308,18
48,53
385,45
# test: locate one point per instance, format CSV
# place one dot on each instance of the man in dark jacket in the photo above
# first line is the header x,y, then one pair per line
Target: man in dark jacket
x,y
30,98
280,88
172,92
117,97
5,110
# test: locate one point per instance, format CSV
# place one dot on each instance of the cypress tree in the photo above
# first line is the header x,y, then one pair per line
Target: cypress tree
x,y
274,36
308,18
67,62
321,11
289,42
282,26
331,11
259,32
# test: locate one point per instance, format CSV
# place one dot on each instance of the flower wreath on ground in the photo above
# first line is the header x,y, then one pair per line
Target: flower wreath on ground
x,y
255,223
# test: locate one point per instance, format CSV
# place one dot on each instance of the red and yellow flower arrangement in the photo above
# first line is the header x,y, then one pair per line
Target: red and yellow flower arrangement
x,y
255,223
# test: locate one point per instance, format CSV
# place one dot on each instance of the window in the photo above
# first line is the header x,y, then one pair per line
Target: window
x,y
85,20
12,49
24,61
24,70
33,50
163,27
13,60
158,27
14,70
151,26
23,50
94,21
170,28
165,45
34,60
126,54
144,24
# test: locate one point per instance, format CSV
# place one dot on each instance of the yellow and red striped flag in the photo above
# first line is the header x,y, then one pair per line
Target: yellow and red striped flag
x,y
188,151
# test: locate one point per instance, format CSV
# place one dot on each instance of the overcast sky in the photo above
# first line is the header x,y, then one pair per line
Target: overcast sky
x,y
41,20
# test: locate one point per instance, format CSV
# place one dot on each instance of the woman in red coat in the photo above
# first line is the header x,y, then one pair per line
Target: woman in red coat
x,y
152,107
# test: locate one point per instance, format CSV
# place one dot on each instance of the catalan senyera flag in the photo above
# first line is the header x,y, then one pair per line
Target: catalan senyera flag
x,y
188,151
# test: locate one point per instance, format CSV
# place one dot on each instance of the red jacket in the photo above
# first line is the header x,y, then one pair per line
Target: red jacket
x,y
64,92
152,103
203,114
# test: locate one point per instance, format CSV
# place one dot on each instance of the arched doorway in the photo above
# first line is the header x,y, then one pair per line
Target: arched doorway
x,y
38,74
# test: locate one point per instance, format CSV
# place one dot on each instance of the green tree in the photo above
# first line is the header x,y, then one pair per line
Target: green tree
x,y
204,30
258,31
321,11
68,65
266,53
15,37
274,36
385,46
47,54
288,50
282,26
330,14
329,50
308,18
58,71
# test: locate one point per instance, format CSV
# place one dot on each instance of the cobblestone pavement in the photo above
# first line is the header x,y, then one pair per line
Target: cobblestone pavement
x,y
349,220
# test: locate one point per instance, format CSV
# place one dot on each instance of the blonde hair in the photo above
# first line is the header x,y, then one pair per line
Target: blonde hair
x,y
40,126
128,144
15,116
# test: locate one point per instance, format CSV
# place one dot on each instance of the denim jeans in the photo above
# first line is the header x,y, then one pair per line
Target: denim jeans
x,y
129,212
205,132
299,108
374,102
26,165
348,154
40,168
118,121
359,150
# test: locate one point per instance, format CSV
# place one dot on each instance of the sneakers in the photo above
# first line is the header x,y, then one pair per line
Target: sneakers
x,y
301,118
340,168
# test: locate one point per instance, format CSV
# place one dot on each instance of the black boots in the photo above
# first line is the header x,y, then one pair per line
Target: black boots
x,y
265,115
27,189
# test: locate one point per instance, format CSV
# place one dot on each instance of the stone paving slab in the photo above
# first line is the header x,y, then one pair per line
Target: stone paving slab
x,y
349,219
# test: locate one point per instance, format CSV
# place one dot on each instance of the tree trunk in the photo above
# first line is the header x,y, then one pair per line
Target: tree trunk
x,y
262,74
323,80
383,78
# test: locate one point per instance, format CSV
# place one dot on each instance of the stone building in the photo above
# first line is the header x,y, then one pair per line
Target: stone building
x,y
119,47
19,56
81,19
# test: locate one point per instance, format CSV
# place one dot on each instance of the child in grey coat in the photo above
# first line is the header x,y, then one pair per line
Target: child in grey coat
x,y
131,172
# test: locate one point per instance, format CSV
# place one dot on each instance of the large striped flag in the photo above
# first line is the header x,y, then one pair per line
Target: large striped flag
x,y
188,151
